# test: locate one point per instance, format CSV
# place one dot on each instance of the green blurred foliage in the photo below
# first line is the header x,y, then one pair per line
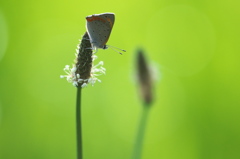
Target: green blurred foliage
x,y
194,45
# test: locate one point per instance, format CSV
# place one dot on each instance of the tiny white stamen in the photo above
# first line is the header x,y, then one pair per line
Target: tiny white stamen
x,y
73,70
84,85
101,63
80,80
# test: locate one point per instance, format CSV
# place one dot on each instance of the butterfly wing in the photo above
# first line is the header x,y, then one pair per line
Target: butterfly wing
x,y
99,27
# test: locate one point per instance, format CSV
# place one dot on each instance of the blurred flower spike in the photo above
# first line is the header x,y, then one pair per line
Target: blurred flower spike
x,y
84,72
144,77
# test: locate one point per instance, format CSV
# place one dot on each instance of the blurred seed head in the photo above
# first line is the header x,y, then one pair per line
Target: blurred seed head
x,y
144,77
84,71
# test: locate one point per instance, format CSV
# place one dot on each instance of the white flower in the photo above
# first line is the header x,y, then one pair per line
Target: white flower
x,y
75,79
84,65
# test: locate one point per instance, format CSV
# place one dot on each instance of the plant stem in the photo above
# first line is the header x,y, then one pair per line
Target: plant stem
x,y
137,151
79,123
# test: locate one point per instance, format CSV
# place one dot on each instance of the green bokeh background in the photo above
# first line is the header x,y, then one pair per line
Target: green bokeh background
x,y
193,44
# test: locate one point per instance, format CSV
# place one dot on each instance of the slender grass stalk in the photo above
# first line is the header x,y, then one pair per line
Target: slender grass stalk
x,y
79,124
80,75
137,151
145,89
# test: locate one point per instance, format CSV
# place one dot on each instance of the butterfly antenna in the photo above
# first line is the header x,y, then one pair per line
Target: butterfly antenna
x,y
116,49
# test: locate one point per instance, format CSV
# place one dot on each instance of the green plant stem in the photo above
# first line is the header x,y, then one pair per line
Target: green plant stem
x,y
137,151
79,124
